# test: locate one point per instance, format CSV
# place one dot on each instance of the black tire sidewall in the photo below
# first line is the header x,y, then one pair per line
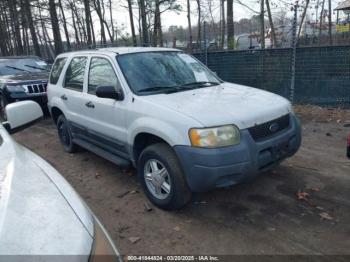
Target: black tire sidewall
x,y
63,121
161,153
3,104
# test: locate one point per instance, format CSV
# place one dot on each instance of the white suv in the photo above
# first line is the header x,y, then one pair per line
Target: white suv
x,y
165,113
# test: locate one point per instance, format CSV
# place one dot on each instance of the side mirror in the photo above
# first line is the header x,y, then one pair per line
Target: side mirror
x,y
109,92
20,115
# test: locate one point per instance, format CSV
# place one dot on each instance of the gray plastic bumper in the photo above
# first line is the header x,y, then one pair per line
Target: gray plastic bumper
x,y
206,169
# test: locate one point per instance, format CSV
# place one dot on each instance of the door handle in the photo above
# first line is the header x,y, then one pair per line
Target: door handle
x,y
63,97
90,105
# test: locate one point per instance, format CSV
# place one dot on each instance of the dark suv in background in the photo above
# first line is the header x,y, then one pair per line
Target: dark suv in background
x,y
23,78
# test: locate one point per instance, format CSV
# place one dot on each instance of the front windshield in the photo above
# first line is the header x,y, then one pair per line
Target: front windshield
x,y
16,66
164,72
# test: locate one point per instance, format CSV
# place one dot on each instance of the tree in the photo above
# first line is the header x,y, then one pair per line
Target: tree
x,y
55,27
30,21
64,22
222,42
189,25
88,21
321,22
303,18
273,32
330,22
131,17
262,24
230,25
15,24
199,22
145,38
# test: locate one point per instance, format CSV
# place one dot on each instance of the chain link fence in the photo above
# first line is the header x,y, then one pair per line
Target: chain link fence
x,y
322,74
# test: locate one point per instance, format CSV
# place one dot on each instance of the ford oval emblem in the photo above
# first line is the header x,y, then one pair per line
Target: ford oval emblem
x,y
274,127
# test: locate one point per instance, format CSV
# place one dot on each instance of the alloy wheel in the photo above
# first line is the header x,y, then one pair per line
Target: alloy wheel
x,y
157,179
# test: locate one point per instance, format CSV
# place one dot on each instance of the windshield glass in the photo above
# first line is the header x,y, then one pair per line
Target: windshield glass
x,y
164,71
16,66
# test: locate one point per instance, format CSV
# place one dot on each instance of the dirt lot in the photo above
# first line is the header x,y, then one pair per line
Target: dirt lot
x,y
262,216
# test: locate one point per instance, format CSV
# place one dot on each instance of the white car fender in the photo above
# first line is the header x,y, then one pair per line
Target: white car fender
x,y
170,134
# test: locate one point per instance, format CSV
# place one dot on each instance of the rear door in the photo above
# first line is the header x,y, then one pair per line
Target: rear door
x,y
72,93
105,118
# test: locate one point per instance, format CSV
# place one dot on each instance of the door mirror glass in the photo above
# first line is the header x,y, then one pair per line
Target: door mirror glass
x,y
109,92
21,114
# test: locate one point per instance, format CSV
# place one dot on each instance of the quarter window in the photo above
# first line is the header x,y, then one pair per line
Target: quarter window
x,y
57,69
75,74
101,73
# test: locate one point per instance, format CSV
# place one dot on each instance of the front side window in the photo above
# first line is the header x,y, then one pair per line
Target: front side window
x,y
57,69
164,72
75,74
101,73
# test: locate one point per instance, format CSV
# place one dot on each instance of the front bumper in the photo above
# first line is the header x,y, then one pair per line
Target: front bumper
x,y
40,98
206,169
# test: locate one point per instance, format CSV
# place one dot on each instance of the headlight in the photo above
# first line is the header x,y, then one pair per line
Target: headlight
x,y
103,248
215,137
16,88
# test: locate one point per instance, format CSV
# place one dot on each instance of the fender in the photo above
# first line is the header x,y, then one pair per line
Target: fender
x,y
162,129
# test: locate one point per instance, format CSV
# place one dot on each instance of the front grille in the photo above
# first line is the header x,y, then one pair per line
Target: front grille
x,y
37,88
270,128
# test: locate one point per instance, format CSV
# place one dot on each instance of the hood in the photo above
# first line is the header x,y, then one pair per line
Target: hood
x,y
26,77
226,104
40,214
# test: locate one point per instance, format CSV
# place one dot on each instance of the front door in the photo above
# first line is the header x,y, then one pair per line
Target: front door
x,y
105,117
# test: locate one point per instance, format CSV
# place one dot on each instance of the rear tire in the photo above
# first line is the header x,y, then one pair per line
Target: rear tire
x,y
162,178
65,135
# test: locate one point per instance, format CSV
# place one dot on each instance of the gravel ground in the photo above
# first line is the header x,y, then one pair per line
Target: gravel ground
x,y
263,216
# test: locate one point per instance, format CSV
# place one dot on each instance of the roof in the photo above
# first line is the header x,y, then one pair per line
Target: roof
x,y
343,6
125,50
20,57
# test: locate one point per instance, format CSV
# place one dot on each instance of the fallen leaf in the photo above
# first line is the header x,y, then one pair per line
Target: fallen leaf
x,y
177,228
133,240
315,189
97,176
302,195
325,215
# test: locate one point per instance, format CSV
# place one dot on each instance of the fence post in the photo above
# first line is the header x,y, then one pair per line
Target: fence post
x,y
294,52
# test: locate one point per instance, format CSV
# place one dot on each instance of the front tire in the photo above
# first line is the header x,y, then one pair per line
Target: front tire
x,y
65,135
162,178
3,104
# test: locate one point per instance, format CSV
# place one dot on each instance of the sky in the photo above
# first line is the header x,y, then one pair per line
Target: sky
x,y
180,18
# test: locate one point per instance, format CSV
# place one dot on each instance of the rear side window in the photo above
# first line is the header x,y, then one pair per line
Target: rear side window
x,y
57,69
101,74
75,74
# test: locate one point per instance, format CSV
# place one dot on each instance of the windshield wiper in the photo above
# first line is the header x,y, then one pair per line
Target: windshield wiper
x,y
177,88
16,68
35,67
200,83
165,89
